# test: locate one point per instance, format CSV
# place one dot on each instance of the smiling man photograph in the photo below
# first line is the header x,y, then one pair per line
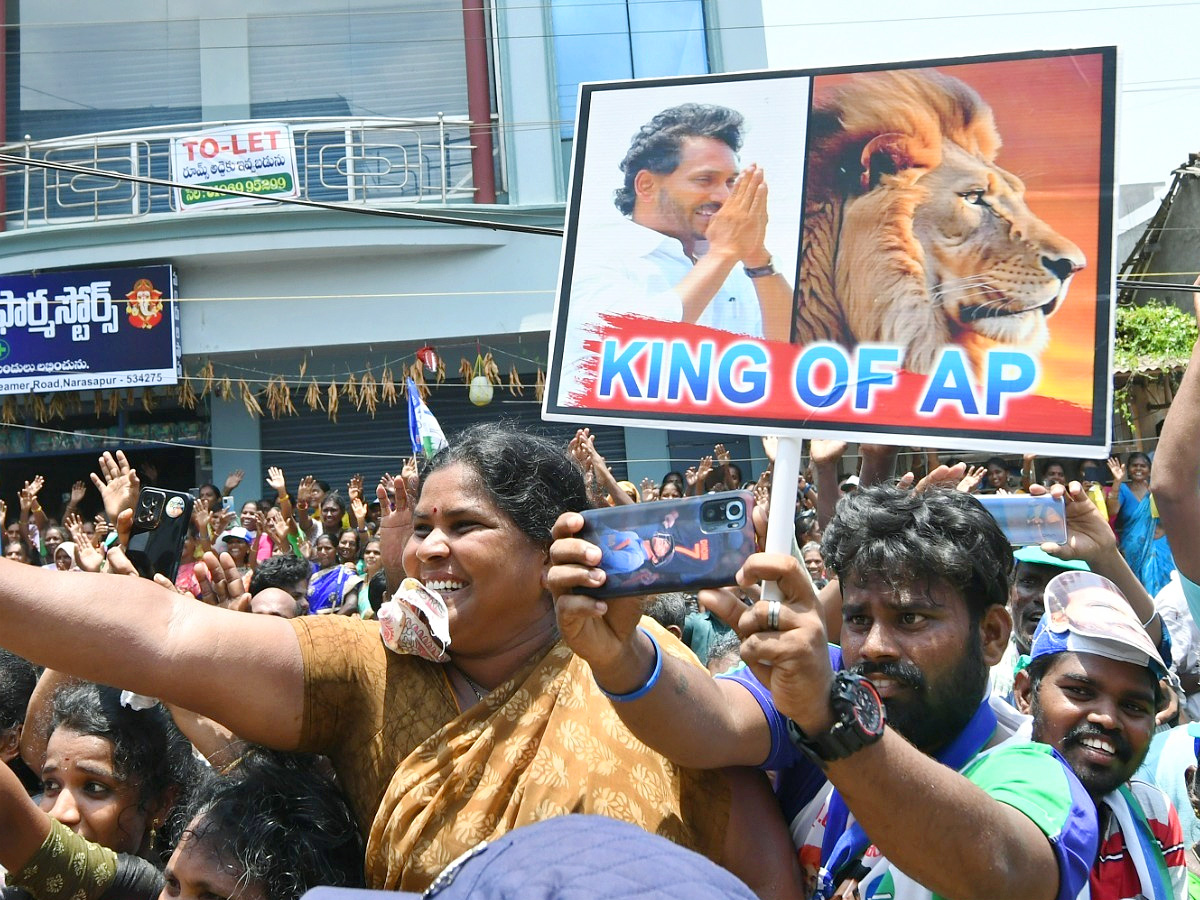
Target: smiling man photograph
x,y
692,245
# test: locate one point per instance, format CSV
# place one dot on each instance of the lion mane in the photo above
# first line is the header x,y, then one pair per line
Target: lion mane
x,y
913,236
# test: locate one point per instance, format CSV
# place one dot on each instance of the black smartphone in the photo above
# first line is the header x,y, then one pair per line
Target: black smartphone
x,y
671,545
1027,520
160,528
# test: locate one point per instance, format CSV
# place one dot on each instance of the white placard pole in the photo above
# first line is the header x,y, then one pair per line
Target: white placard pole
x,y
781,519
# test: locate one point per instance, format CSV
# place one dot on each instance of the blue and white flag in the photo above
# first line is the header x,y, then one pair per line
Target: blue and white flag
x,y
423,427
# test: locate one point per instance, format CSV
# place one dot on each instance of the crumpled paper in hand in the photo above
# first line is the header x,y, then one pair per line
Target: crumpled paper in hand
x,y
415,621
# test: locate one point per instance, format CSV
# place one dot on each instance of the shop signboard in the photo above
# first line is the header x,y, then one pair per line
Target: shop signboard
x,y
88,329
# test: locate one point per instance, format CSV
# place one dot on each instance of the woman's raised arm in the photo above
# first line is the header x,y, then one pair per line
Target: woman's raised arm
x,y
240,669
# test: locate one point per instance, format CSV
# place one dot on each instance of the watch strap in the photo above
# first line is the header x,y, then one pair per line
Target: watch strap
x,y
846,736
760,271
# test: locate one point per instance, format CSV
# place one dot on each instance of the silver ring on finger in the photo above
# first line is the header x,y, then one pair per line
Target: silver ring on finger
x,y
773,607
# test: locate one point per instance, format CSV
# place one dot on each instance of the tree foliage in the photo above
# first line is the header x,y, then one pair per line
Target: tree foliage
x,y
1153,337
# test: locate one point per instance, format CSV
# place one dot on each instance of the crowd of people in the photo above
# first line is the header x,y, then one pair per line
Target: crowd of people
x,y
357,689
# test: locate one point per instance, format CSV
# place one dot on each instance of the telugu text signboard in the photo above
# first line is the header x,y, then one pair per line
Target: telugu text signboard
x,y
257,158
88,330
911,254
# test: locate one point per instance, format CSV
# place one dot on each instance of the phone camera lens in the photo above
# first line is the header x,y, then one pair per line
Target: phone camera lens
x,y
734,510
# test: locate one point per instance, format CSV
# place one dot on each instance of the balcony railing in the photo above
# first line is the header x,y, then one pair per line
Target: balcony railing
x,y
377,162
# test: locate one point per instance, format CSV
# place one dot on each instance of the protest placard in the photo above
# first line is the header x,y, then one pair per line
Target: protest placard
x,y
934,268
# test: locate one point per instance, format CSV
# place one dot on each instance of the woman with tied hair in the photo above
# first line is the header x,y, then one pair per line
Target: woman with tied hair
x,y
434,755
114,783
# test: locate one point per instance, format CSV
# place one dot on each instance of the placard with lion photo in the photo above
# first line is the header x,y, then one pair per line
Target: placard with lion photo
x,y
939,233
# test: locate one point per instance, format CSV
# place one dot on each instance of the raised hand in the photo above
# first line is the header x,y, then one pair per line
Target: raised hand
x,y
275,480
221,584
395,527
202,518
280,529
721,455
100,531
971,479
770,445
233,479
1088,535
118,484
304,494
648,489
354,489
1117,469
739,227
78,491
358,510
89,557
32,487
410,476
822,452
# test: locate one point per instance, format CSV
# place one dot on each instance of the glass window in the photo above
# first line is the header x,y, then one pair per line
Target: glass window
x,y
597,41
84,67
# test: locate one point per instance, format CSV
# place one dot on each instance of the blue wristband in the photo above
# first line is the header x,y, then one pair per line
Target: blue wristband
x,y
650,682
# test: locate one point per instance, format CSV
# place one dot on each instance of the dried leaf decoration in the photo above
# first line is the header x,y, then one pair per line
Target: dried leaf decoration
x,y
274,398
225,388
38,406
313,396
539,386
441,371
351,389
303,365
187,393
98,403
148,399
466,371
207,376
514,382
114,403
368,393
8,410
248,399
333,400
58,406
286,389
418,376
388,386
491,370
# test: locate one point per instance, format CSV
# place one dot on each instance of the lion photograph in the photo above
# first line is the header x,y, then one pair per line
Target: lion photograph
x,y
913,235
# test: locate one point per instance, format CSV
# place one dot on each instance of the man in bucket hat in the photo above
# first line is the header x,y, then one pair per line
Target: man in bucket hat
x,y
1092,688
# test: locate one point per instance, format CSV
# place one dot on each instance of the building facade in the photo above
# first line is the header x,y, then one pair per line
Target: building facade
x,y
431,147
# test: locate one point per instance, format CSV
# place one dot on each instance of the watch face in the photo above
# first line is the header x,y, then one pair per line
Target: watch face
x,y
868,708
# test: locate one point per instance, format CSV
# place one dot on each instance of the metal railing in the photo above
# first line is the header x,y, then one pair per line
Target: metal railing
x,y
367,161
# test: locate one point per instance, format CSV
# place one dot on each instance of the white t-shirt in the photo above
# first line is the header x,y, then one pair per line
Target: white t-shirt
x,y
624,268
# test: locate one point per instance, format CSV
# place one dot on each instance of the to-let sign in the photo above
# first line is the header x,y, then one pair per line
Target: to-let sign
x,y
257,158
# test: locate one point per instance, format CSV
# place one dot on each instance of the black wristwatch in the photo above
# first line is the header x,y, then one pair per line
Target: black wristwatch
x,y
860,719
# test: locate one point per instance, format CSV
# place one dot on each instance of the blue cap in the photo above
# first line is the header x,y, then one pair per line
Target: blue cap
x,y
1040,557
1087,613
580,857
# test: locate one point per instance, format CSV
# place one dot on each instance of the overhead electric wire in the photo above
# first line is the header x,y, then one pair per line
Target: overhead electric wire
x,y
432,218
